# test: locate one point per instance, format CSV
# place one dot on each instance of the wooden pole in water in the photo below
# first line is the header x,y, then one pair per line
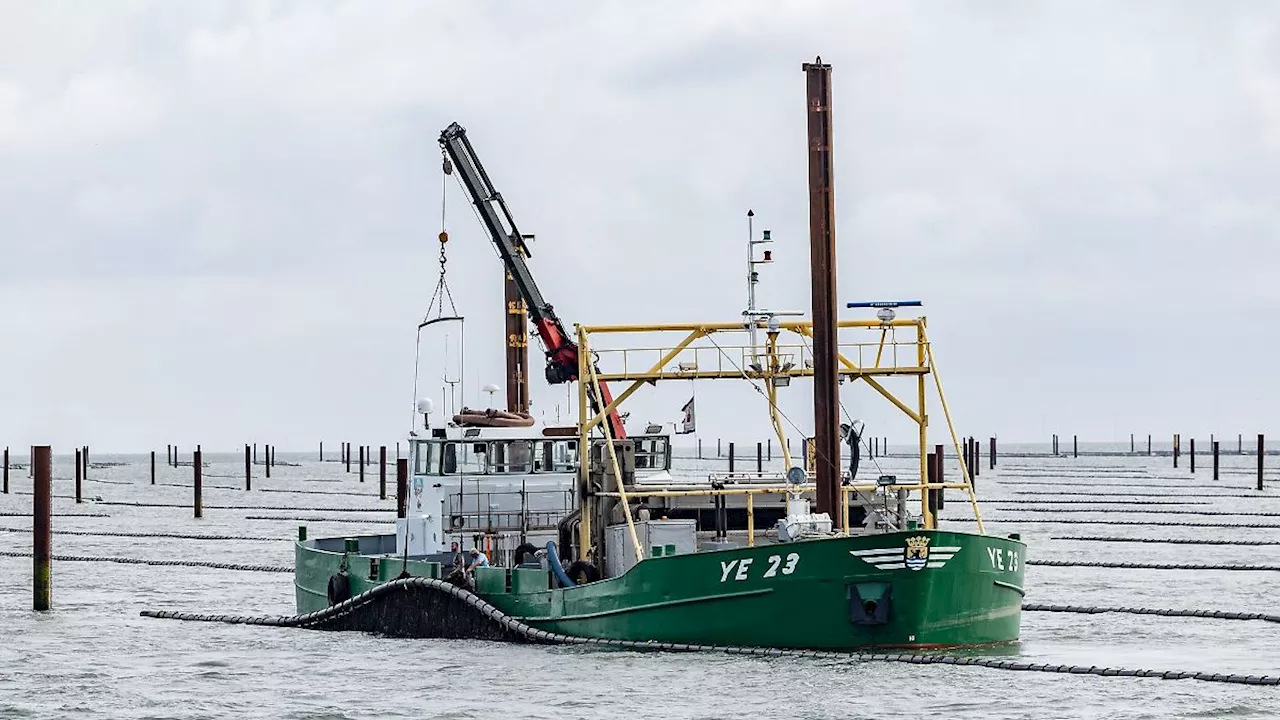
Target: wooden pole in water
x,y
271,454
248,469
84,457
822,263
78,477
361,463
266,461
347,456
1177,449
1148,445
197,476
255,453
42,530
1261,454
321,451
6,469
402,486
382,472
730,457
1239,443
168,454
993,453
153,467
1131,450
977,456
699,448
1193,455
1215,459
1075,447
760,458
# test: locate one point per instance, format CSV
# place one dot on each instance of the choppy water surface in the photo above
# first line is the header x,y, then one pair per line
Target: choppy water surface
x,y
93,656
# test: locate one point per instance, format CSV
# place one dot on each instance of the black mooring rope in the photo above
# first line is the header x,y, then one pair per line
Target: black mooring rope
x,y
1170,541
1086,521
361,613
137,561
1215,614
1151,566
176,536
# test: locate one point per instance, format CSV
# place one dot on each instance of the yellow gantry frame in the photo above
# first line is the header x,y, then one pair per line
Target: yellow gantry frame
x,y
925,364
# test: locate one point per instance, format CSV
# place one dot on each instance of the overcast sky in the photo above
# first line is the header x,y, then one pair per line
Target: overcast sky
x,y
218,219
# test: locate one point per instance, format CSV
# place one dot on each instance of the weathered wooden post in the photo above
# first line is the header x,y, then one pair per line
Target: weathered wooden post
x,y
272,450
347,456
321,451
255,453
42,530
361,463
1261,453
977,456
1239,443
1075,447
266,461
84,457
1177,449
6,469
699,448
1131,450
1193,455
1148,445
1215,459
153,467
760,458
402,486
718,452
730,457
199,482
382,472
931,471
993,453
168,454
78,477
248,469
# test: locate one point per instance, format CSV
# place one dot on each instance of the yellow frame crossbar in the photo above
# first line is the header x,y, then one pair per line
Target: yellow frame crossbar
x,y
925,364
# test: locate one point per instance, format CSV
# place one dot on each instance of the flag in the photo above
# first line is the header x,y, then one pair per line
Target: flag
x,y
688,423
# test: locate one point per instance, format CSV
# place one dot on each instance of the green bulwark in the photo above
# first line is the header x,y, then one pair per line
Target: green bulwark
x,y
911,589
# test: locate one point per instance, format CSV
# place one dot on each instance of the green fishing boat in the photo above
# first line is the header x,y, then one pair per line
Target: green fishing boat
x,y
806,556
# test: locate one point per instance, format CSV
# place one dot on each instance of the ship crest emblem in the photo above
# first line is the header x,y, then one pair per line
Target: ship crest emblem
x,y
914,555
917,552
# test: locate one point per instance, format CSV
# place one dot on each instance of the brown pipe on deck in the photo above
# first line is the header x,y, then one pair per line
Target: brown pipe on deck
x,y
198,482
42,530
382,472
822,263
402,487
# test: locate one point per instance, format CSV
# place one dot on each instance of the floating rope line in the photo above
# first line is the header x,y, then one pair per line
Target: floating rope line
x,y
1129,494
1093,502
248,507
176,536
1152,523
322,519
429,608
1214,614
1151,566
137,561
1170,541
1198,487
56,514
1149,512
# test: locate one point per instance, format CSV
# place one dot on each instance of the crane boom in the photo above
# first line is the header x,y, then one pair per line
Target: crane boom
x,y
561,350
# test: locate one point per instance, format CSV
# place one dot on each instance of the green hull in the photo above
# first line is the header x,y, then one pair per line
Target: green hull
x,y
838,593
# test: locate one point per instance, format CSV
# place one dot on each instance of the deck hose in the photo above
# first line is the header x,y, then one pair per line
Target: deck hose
x,y
553,559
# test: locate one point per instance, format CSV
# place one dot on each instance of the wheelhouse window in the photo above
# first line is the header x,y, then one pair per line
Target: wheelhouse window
x,y
426,460
557,456
464,458
652,453
511,457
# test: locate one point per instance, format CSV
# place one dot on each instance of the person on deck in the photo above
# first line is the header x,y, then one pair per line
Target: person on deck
x,y
478,559
458,564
